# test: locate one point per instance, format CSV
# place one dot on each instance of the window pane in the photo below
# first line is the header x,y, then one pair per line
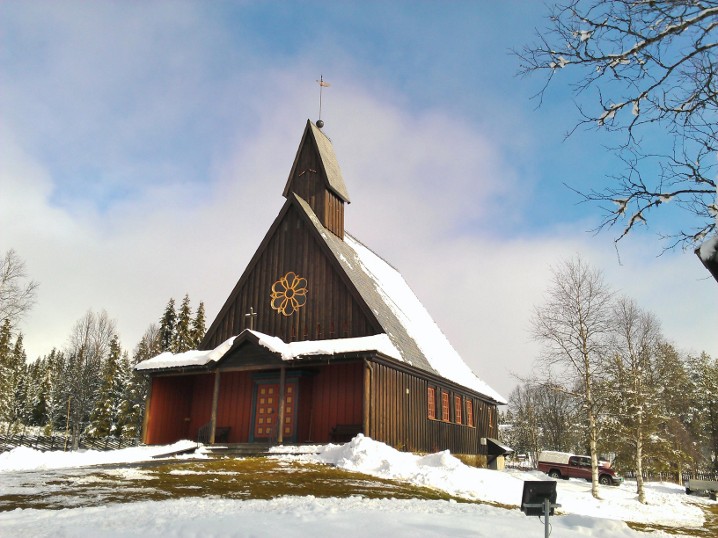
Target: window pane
x,y
431,401
445,406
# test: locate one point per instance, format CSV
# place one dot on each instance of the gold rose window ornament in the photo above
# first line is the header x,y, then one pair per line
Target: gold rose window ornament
x,y
289,294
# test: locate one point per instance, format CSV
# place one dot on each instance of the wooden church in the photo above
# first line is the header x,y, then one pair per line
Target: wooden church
x,y
319,340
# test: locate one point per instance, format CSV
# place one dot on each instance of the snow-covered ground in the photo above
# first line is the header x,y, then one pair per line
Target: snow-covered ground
x,y
580,514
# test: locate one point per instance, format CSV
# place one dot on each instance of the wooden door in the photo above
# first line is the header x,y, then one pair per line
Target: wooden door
x,y
266,417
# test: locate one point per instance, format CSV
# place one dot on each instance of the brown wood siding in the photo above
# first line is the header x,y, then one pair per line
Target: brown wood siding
x,y
337,393
202,390
305,408
334,214
398,414
234,405
329,306
310,184
170,405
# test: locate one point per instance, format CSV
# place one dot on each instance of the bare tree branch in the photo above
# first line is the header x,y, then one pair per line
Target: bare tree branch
x,y
17,293
644,67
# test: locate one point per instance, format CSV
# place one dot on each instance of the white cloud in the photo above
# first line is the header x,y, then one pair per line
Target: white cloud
x,y
425,188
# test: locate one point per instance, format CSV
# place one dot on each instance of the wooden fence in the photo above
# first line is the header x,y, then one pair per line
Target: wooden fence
x,y
672,477
647,476
57,442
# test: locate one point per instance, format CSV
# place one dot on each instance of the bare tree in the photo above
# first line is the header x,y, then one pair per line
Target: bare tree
x,y
573,324
634,346
523,417
17,293
88,346
542,416
557,416
644,68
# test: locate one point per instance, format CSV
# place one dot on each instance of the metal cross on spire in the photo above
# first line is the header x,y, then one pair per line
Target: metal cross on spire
x,y
322,85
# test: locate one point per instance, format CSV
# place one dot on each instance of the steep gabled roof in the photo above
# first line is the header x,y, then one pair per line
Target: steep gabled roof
x,y
327,159
400,313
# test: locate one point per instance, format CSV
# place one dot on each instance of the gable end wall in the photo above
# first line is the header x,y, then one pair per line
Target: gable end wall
x,y
331,311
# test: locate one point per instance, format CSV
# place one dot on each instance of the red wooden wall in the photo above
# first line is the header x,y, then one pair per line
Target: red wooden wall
x,y
328,396
169,406
337,398
235,404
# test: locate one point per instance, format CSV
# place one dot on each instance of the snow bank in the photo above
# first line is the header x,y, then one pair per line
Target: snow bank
x,y
667,503
29,459
440,471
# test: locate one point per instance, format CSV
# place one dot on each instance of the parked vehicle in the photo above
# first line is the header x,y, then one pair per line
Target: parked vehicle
x,y
565,465
709,487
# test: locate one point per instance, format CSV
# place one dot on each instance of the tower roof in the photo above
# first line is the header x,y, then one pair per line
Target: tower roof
x,y
331,173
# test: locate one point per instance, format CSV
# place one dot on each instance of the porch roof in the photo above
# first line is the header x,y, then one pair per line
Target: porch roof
x,y
285,351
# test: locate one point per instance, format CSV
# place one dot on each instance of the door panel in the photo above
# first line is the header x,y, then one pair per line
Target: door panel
x,y
266,418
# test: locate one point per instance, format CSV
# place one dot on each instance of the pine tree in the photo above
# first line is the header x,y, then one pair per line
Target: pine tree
x,y
183,340
198,326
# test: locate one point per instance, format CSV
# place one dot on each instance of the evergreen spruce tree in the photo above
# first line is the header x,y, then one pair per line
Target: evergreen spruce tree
x,y
167,326
704,376
55,395
198,326
138,385
38,388
14,408
183,340
103,419
5,369
680,448
123,383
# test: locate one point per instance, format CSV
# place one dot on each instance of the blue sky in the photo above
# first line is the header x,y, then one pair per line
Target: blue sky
x,y
144,147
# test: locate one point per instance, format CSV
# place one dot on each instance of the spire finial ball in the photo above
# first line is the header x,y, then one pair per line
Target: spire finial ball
x,y
320,123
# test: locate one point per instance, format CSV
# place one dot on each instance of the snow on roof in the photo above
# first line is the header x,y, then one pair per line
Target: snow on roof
x,y
306,348
287,351
708,249
417,322
188,358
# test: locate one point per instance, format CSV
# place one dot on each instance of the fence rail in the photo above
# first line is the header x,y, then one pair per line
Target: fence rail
x,y
57,442
672,477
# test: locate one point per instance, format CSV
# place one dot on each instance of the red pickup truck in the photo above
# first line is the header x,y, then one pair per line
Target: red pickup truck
x,y
565,465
